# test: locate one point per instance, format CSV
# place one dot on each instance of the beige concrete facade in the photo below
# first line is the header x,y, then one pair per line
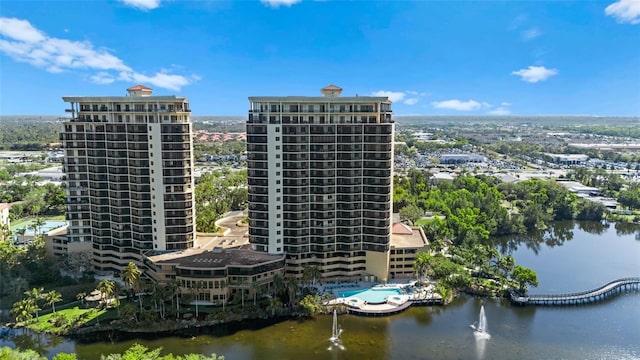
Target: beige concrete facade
x,y
406,242
320,173
129,162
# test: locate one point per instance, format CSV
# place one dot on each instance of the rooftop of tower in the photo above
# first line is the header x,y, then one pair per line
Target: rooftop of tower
x,y
330,94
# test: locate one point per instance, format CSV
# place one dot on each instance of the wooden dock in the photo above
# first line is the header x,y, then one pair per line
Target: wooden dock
x,y
605,291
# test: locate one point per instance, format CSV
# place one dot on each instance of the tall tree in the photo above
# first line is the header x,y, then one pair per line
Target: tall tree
x,y
51,298
23,310
421,264
130,274
524,276
35,295
106,288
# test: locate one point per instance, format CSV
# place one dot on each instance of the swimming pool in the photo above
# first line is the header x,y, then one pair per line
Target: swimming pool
x,y
47,226
372,296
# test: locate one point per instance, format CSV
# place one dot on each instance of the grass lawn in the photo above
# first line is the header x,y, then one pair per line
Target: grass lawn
x,y
423,221
73,317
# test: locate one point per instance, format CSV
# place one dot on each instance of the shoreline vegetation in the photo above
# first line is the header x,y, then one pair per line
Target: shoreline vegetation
x,y
469,215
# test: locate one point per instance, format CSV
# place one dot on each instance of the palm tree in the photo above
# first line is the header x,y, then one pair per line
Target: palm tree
x,y
274,305
21,232
240,284
421,264
34,227
23,310
292,289
35,295
223,285
257,292
51,298
128,312
39,222
106,287
195,293
80,297
174,289
306,275
316,273
278,285
130,274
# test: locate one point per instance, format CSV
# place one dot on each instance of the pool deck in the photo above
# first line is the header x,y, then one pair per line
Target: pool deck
x,y
393,305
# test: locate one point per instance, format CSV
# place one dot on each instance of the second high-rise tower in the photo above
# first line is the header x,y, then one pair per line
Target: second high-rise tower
x,y
320,175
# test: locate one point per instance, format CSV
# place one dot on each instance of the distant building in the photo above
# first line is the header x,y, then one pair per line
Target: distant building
x,y
441,177
571,159
53,174
577,188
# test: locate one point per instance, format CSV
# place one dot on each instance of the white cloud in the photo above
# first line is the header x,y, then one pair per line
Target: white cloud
x,y
392,95
161,79
278,3
410,101
500,111
20,30
102,77
458,105
22,42
142,4
530,34
534,74
625,11
504,103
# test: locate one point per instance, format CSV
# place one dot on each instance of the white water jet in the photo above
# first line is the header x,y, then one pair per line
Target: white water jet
x,y
480,326
336,331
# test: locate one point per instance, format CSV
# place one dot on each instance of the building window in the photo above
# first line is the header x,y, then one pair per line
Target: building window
x,y
277,129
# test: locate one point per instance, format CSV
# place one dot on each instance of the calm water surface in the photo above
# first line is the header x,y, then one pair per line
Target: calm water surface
x,y
570,257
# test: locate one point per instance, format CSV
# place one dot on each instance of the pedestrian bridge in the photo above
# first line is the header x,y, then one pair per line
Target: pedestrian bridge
x,y
607,290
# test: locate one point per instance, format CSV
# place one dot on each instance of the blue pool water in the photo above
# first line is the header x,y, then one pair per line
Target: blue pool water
x,y
374,296
46,227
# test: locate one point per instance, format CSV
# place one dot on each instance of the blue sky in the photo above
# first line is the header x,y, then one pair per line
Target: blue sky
x,y
429,57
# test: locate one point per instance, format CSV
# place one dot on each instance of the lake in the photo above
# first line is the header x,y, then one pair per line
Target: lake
x,y
569,257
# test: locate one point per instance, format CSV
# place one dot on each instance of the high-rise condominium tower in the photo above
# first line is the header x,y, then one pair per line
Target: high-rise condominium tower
x,y
320,181
128,161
